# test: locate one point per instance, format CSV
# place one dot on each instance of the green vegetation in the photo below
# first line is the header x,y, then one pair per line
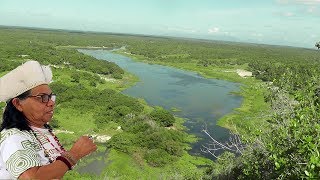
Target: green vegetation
x,y
280,114
278,120
162,117
317,45
90,102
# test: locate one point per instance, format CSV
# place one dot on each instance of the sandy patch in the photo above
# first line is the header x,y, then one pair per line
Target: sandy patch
x,y
96,137
244,73
101,138
107,79
62,131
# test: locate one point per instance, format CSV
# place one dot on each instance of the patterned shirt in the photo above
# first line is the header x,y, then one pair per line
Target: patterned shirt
x,y
21,150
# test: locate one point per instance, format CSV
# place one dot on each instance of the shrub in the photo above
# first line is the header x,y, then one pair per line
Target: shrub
x,y
122,110
117,76
123,142
135,125
75,77
158,158
163,117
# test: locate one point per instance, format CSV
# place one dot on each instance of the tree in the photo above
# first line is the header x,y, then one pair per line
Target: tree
x,y
317,45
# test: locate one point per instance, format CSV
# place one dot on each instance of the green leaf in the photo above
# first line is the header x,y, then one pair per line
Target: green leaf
x,y
307,173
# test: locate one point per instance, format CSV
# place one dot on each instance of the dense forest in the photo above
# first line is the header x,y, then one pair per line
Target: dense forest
x,y
279,119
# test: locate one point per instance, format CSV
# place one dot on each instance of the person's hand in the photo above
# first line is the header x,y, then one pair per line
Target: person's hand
x,y
82,147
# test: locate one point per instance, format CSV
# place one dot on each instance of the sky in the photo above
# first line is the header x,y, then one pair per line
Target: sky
x,y
277,22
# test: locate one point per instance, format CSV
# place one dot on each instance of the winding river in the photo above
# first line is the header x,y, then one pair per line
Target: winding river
x,y
201,101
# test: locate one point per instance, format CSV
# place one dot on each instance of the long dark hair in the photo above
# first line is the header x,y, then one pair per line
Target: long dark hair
x,y
13,118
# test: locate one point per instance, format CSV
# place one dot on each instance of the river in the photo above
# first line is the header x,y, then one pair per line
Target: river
x,y
201,101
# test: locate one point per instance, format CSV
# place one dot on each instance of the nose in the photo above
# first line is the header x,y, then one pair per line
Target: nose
x,y
51,102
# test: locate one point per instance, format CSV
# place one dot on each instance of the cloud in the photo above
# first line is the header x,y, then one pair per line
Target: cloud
x,y
312,9
304,2
305,7
213,30
308,2
284,14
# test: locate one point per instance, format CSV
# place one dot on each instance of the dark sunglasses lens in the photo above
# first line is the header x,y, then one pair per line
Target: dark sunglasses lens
x,y
45,98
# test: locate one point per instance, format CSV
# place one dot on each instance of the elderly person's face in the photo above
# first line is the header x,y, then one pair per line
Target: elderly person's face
x,y
35,110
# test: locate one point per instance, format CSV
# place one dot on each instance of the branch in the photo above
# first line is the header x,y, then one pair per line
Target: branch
x,y
233,145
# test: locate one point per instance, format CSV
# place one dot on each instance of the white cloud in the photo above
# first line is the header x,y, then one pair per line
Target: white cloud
x,y
312,9
305,2
303,7
285,14
213,30
308,2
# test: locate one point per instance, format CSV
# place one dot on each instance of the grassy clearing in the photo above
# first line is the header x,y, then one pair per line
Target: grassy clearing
x,y
123,166
75,121
246,119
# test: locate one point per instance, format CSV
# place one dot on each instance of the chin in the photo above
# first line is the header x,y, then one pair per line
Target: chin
x,y
48,119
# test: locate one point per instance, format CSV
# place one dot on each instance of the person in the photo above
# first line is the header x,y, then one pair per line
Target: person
x,y
28,147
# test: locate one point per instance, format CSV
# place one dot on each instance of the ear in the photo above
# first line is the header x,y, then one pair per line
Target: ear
x,y
16,102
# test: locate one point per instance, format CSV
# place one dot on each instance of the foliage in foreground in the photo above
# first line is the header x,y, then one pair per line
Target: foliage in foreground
x,y
289,148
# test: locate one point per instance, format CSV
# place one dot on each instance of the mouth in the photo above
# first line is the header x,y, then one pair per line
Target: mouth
x,y
50,112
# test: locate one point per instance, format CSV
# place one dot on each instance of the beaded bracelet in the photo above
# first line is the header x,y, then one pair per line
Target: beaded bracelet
x,y
69,157
65,161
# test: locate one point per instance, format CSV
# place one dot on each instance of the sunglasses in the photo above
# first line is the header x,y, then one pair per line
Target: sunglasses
x,y
46,97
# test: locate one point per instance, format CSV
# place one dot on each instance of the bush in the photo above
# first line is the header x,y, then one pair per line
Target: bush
x,y
135,125
173,148
102,122
117,76
163,117
123,142
122,110
158,158
93,83
75,77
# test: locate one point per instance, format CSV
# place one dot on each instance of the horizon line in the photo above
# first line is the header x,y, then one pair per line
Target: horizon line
x,y
143,35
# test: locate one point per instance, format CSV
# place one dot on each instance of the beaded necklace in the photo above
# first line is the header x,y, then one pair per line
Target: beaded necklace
x,y
46,152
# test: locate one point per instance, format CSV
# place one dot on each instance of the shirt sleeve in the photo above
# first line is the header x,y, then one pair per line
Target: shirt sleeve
x,y
19,154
